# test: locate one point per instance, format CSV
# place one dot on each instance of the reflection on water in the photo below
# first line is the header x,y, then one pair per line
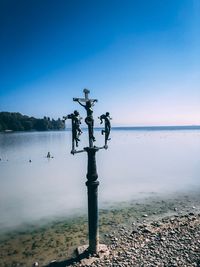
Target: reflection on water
x,y
136,163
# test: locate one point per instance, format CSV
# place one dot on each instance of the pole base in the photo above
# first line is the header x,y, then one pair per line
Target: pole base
x,y
86,258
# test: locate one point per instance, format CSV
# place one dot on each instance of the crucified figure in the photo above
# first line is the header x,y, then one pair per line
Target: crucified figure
x,y
89,119
89,103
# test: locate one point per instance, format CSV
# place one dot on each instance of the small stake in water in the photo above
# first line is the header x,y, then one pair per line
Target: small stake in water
x,y
92,176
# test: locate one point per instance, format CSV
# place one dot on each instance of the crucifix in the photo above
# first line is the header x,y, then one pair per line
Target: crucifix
x,y
89,103
92,176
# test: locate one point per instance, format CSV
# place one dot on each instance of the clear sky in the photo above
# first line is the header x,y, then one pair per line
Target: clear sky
x,y
139,58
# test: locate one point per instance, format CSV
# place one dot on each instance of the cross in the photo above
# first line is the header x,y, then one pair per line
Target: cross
x,y
86,92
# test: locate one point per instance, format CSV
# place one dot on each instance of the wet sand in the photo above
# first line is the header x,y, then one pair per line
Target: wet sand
x,y
58,239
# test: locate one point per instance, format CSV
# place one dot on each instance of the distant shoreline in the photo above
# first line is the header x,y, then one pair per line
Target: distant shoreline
x,y
15,121
119,128
158,128
150,128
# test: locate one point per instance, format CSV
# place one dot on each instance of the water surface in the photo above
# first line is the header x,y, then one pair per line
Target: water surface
x,y
137,163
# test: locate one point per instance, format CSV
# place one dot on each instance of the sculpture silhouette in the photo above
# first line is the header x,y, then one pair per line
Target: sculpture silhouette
x,y
106,131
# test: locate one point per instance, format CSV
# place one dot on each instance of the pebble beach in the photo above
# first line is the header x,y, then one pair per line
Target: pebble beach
x,y
154,231
172,241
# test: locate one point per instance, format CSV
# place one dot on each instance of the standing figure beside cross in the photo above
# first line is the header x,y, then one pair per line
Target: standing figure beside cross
x,y
106,131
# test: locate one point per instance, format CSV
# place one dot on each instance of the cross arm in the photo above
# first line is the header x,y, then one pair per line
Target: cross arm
x,y
76,99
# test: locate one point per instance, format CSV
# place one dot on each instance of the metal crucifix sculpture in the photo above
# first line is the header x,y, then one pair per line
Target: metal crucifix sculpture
x,y
92,176
89,103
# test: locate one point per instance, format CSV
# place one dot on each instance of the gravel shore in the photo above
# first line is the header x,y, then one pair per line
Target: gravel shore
x,y
171,241
156,231
156,239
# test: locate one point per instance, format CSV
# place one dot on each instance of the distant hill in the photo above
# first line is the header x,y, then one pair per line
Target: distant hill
x,y
15,121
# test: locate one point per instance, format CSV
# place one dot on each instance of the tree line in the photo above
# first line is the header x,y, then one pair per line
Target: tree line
x,y
15,121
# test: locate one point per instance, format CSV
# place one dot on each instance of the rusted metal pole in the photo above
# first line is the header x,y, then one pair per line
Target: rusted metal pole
x,y
92,185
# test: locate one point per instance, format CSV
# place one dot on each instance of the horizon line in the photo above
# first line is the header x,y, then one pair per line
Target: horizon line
x,y
181,127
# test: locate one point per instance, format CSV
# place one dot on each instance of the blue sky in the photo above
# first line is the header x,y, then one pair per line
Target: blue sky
x,y
140,58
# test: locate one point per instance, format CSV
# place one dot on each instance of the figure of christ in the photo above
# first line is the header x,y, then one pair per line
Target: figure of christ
x,y
89,119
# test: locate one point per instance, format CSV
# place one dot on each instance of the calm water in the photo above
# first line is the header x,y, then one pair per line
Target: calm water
x,y
137,163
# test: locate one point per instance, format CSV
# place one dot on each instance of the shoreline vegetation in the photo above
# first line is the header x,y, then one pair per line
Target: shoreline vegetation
x,y
15,121
58,239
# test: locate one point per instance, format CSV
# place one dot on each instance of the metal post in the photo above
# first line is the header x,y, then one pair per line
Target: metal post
x,y
92,185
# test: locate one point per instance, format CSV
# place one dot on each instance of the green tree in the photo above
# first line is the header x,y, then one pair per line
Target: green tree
x,y
17,122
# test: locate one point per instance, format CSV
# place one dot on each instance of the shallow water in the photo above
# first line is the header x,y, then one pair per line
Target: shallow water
x,y
137,163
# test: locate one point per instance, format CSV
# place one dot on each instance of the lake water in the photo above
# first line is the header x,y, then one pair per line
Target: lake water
x,y
137,163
